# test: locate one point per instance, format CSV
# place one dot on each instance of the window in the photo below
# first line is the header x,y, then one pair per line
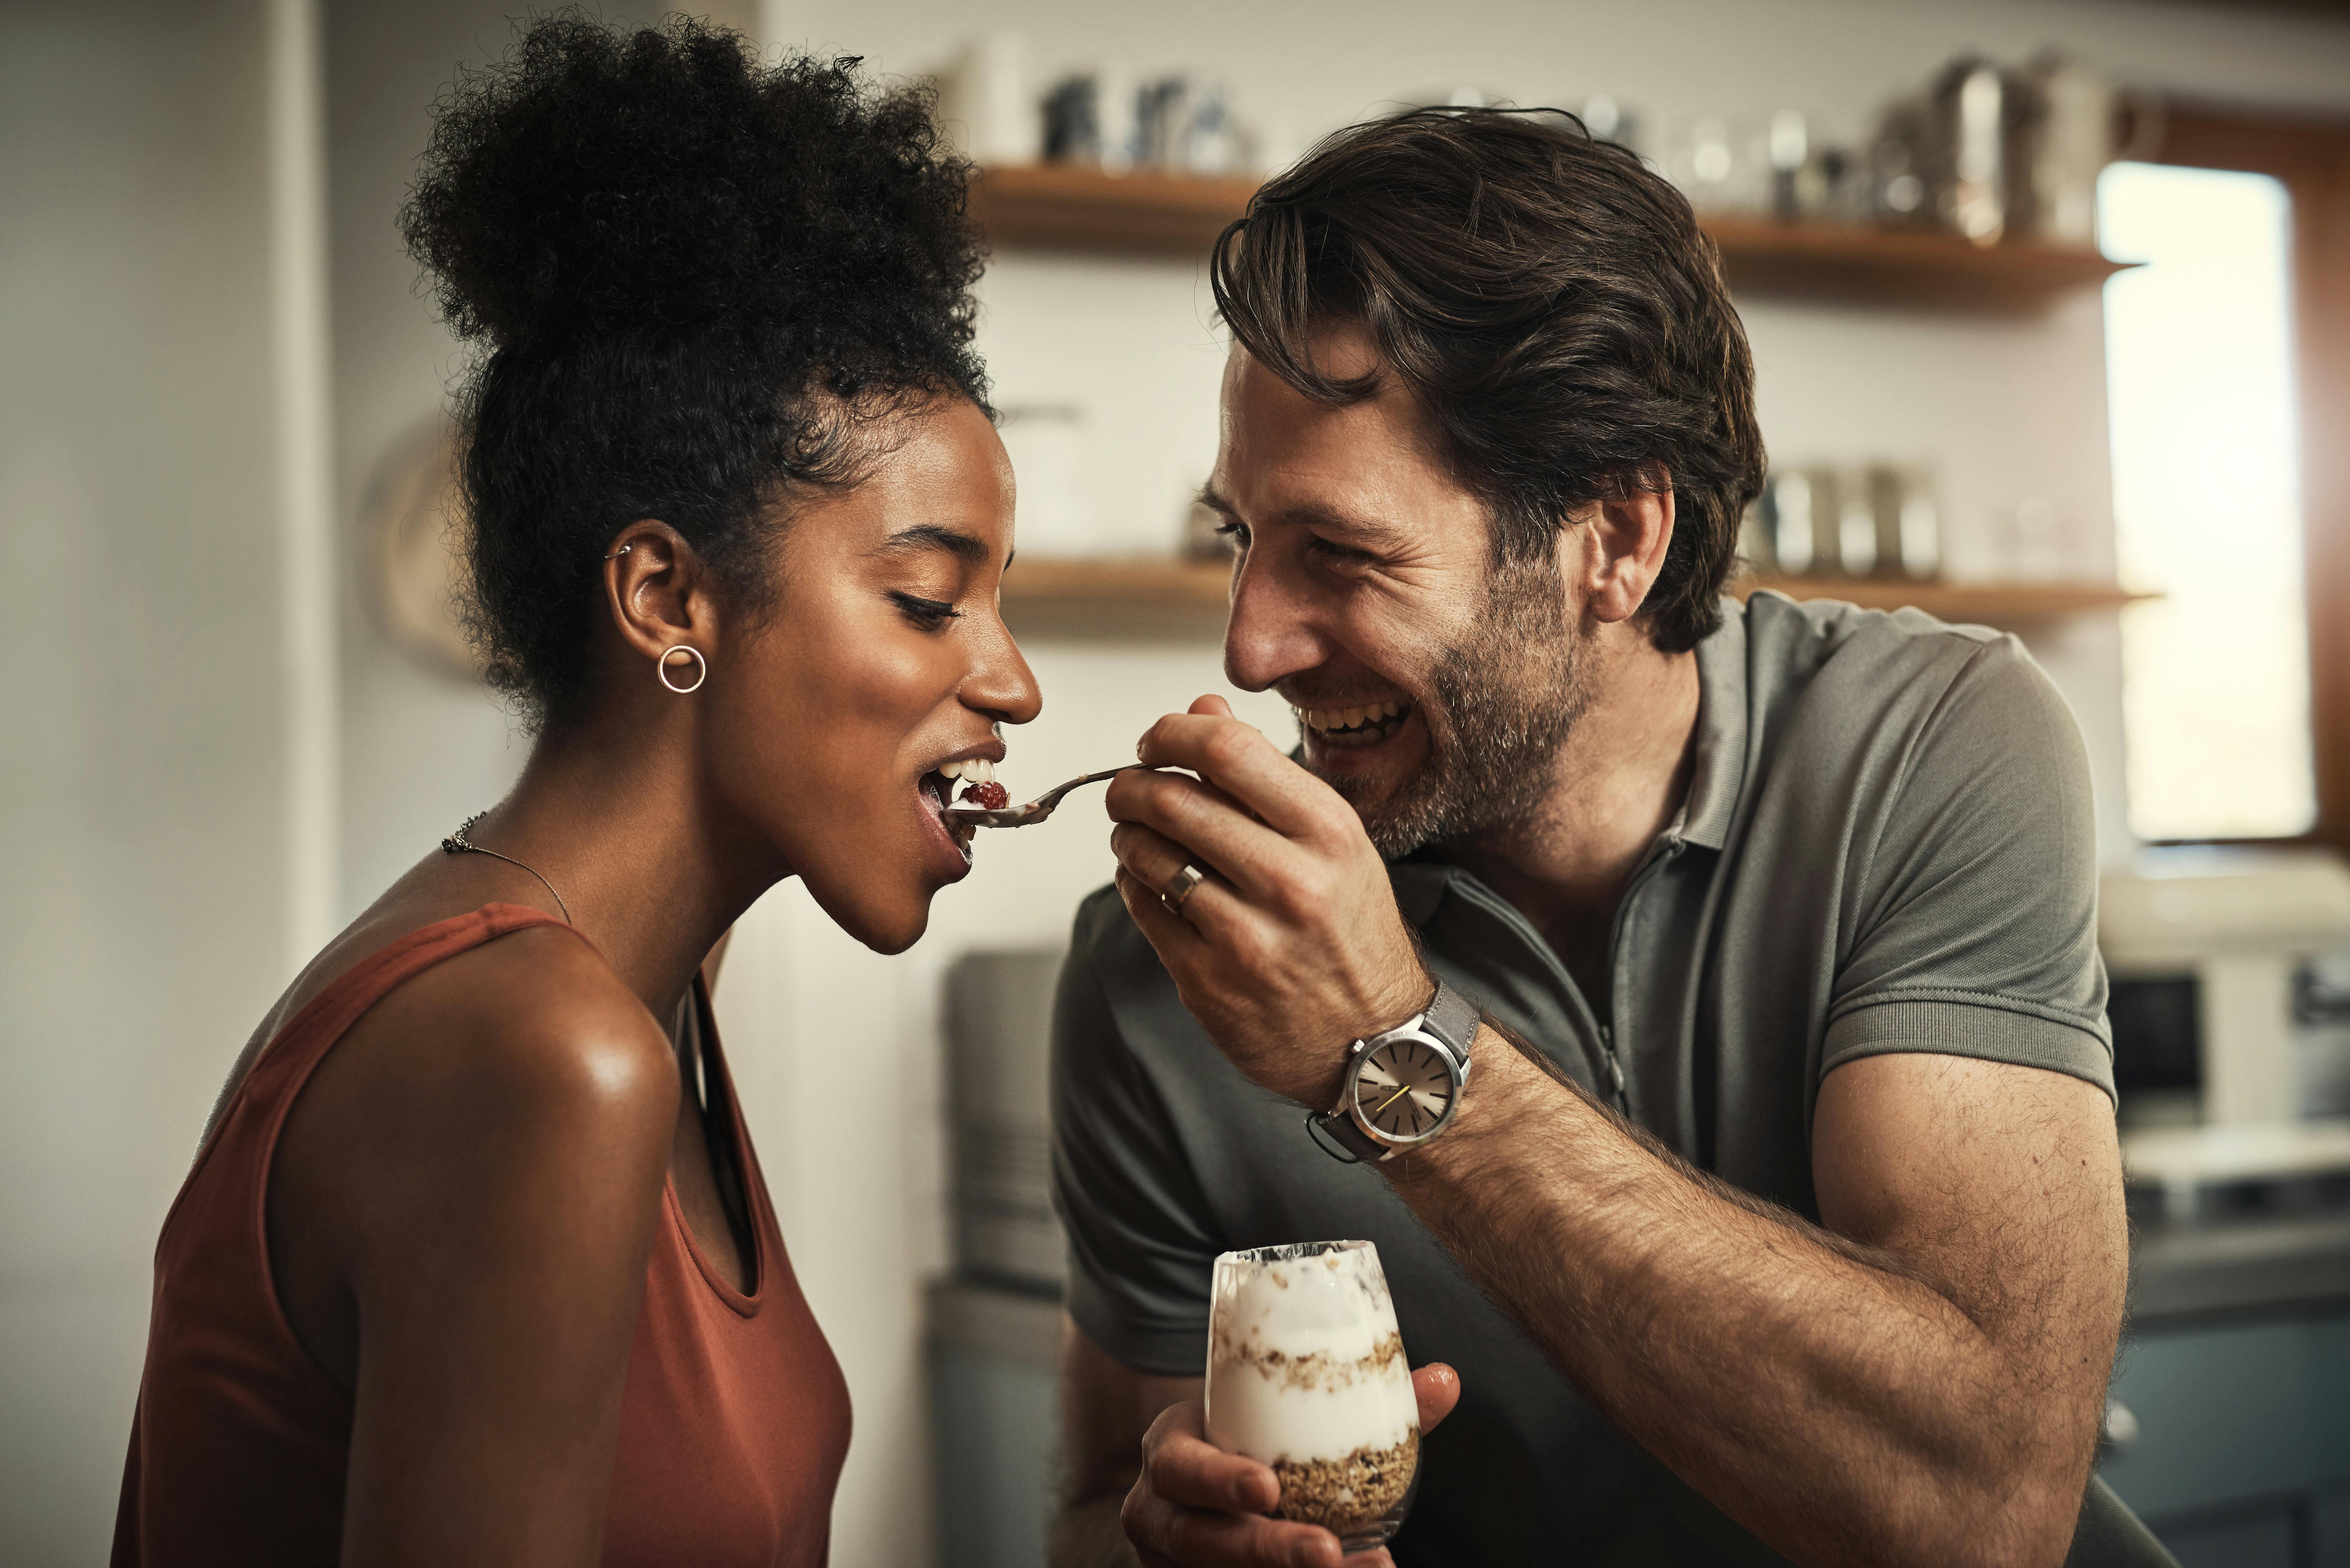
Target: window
x,y
2207,503
2310,156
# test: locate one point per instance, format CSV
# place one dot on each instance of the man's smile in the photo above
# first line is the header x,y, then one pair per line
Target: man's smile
x,y
1365,725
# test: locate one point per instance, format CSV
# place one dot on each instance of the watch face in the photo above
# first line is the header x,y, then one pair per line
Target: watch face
x,y
1404,1087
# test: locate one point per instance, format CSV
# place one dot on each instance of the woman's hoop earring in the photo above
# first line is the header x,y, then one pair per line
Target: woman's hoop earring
x,y
702,669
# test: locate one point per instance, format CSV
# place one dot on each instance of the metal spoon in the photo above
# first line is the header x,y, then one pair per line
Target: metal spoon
x,y
1036,810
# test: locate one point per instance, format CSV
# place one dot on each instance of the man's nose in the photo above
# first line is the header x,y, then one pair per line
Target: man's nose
x,y
1272,633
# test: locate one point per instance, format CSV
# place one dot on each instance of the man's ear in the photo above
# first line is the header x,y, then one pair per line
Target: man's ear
x,y
658,592
1629,533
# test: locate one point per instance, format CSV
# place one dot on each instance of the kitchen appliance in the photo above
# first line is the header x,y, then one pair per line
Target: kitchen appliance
x,y
2067,138
999,1013
2205,942
1966,118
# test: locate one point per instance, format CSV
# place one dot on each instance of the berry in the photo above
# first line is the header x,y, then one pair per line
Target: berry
x,y
988,796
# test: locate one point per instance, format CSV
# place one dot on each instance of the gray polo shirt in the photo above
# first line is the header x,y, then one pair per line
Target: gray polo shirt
x,y
1889,845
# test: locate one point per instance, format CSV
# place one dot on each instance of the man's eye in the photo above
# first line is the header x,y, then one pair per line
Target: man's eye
x,y
928,614
1237,533
1345,557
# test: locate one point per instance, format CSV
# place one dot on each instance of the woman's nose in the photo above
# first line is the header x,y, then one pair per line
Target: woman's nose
x,y
1004,686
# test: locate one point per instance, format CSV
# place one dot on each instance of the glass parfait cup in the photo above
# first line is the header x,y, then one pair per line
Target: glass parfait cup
x,y
1306,1375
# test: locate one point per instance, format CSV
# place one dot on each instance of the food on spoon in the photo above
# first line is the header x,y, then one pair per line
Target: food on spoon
x,y
986,804
979,786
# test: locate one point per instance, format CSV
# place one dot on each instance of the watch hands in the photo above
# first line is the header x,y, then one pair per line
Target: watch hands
x,y
1391,1099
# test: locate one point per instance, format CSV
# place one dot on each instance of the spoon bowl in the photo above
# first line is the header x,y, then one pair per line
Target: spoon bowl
x,y
1035,811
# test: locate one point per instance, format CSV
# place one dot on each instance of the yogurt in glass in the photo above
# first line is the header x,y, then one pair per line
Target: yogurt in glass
x,y
1306,1373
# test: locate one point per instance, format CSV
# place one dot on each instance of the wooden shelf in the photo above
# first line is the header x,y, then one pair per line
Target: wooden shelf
x,y
1068,207
1065,207
1133,600
1849,263
1160,600
1983,604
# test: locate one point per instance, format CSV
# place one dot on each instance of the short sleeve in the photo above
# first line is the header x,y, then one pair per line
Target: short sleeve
x,y
1976,931
1142,1244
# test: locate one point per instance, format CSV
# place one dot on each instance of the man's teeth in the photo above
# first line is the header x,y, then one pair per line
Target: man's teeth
x,y
978,770
1327,719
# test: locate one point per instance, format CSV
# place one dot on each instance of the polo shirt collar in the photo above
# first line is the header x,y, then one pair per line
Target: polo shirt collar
x,y
1421,878
1720,772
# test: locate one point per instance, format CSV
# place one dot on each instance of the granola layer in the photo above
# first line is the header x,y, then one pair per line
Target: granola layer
x,y
1347,1493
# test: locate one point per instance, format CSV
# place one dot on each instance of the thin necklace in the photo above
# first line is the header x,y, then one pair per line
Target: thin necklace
x,y
458,843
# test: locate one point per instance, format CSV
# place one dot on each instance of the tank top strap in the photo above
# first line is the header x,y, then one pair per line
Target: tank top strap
x,y
285,1062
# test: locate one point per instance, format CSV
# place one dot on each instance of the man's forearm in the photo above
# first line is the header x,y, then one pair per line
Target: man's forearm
x,y
1816,1390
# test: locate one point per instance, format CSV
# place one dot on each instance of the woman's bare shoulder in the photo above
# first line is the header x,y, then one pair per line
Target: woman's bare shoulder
x,y
525,1050
537,1014
496,1127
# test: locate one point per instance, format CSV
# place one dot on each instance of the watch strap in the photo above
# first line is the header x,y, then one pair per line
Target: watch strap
x,y
1451,1018
1340,1129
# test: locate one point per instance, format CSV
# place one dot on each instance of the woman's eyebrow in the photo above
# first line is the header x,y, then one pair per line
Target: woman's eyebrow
x,y
968,548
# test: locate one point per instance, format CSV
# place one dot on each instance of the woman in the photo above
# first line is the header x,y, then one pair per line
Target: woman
x,y
476,1265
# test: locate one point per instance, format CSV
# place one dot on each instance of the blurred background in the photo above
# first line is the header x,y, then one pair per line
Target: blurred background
x,y
2051,306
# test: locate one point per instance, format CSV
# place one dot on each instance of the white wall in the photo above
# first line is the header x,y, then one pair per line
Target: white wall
x,y
420,750
143,812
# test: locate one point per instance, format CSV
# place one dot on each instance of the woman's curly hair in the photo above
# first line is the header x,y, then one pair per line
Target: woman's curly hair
x,y
695,277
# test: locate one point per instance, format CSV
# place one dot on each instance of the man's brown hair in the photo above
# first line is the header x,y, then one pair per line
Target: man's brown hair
x,y
1551,302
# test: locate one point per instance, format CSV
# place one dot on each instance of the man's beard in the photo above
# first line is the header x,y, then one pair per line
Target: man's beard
x,y
1501,702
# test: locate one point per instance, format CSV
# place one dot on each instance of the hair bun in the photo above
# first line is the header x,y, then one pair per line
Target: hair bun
x,y
600,181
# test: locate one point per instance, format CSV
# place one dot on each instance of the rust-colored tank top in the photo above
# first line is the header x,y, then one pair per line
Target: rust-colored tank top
x,y
734,1420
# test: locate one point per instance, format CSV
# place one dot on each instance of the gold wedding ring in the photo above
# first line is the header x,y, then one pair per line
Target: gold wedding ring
x,y
1179,887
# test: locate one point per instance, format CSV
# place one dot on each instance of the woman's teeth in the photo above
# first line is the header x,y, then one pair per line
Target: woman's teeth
x,y
977,770
1364,726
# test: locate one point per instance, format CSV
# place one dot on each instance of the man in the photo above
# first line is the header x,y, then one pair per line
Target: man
x,y
1781,1215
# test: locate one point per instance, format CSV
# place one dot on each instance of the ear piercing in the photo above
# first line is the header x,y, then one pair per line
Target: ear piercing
x,y
679,656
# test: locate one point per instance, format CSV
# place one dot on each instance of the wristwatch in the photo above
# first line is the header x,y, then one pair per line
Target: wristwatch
x,y
1401,1087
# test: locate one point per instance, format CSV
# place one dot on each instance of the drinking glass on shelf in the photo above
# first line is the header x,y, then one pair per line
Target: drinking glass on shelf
x,y
1307,1373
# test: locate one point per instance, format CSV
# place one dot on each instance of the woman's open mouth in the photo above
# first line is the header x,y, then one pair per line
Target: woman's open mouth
x,y
1362,726
938,789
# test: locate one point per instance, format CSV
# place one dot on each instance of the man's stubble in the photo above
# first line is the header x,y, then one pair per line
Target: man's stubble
x,y
1501,703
